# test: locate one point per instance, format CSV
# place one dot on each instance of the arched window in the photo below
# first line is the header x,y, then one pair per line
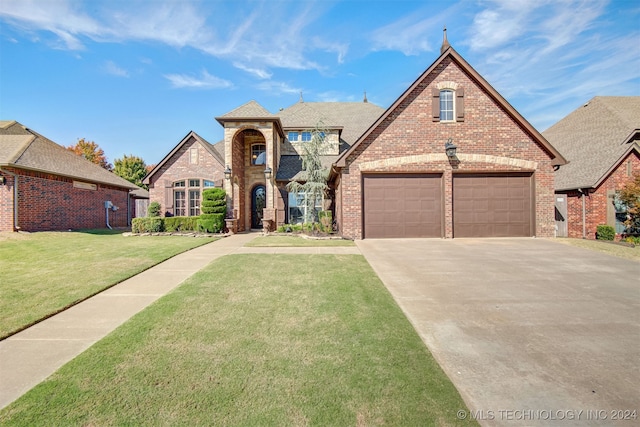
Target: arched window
x,y
446,105
258,154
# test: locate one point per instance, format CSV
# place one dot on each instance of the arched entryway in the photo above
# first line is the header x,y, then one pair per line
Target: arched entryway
x,y
258,203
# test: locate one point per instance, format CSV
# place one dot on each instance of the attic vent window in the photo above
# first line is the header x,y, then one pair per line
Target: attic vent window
x,y
447,103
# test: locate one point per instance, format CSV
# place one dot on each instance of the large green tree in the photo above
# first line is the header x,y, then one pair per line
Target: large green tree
x,y
92,152
313,183
132,168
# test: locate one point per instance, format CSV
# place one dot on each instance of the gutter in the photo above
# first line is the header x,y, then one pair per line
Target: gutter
x,y
15,198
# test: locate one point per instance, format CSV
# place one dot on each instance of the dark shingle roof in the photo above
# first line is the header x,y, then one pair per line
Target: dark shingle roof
x,y
592,138
290,168
23,148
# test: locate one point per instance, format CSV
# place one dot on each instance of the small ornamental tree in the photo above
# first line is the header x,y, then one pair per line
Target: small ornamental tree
x,y
315,174
629,195
214,208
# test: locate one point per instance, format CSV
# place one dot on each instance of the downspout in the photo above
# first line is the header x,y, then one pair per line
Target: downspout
x,y
584,215
129,208
15,198
107,206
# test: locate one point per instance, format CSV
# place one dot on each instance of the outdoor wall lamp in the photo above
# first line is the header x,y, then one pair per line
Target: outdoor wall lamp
x,y
2,180
267,173
227,172
450,148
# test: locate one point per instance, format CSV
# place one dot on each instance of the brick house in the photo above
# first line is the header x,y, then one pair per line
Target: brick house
x,y
601,142
389,173
43,186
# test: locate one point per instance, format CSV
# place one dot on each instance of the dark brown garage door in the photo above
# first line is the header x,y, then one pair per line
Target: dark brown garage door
x,y
492,205
402,205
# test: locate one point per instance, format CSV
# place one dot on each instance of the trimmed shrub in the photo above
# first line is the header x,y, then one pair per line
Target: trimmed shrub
x,y
214,201
605,232
211,223
326,221
180,223
147,225
154,209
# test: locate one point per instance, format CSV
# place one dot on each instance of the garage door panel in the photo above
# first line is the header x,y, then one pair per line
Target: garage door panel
x,y
492,205
412,205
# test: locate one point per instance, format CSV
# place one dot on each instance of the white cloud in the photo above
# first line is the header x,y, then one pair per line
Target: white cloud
x,y
258,72
277,87
204,81
111,68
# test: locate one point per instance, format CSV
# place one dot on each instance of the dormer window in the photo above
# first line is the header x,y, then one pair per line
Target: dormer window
x,y
258,154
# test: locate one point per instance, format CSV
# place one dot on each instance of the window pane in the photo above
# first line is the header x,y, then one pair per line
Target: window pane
x,y
306,136
207,183
179,207
194,183
258,154
194,202
179,184
293,136
446,105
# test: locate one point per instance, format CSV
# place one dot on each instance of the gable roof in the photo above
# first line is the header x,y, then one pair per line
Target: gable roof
x,y
448,51
23,148
595,138
208,146
251,111
353,118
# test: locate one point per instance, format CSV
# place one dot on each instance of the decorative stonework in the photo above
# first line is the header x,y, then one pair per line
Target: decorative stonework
x,y
442,157
447,85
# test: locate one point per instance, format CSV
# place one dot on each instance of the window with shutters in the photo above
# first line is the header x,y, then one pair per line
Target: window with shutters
x,y
448,103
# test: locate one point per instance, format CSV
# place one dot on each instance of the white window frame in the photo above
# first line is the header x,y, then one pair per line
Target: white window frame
x,y
297,207
293,136
445,112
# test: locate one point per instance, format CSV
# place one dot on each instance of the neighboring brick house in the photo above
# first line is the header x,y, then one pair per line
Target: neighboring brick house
x,y
389,173
601,141
44,186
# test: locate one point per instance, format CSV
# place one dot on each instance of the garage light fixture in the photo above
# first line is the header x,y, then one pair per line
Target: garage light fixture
x,y
227,172
450,148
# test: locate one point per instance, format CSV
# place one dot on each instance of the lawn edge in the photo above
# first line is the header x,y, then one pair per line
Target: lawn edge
x,y
83,299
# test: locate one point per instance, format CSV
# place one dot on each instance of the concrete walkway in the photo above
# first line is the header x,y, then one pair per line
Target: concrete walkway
x,y
29,357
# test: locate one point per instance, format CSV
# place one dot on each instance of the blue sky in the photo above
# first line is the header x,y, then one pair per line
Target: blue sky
x,y
137,76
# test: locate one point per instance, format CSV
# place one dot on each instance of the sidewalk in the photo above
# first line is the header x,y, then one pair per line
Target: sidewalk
x,y
30,356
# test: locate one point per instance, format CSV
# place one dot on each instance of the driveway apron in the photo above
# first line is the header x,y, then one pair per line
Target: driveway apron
x,y
530,331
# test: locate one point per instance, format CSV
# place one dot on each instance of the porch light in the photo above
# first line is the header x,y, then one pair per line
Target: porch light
x,y
267,173
227,172
2,180
450,148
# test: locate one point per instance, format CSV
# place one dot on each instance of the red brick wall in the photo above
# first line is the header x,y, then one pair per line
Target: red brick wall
x,y
486,130
6,203
179,167
51,202
596,202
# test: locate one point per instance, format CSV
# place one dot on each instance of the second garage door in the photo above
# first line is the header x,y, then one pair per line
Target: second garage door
x,y
492,205
404,205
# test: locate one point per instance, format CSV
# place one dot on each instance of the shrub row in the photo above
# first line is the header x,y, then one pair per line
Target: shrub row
x,y
212,223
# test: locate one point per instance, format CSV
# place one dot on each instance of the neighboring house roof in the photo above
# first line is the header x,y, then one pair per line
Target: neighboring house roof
x,y
23,148
595,138
448,51
140,193
207,145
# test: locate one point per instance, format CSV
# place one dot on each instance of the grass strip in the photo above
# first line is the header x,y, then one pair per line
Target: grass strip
x,y
260,340
43,273
295,241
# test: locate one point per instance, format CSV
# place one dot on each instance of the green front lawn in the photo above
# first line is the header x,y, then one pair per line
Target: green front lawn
x,y
42,273
295,241
255,340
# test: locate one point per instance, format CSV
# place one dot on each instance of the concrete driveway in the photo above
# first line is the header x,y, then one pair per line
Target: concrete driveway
x,y
530,331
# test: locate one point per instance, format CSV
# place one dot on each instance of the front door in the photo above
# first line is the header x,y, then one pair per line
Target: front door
x,y
258,203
